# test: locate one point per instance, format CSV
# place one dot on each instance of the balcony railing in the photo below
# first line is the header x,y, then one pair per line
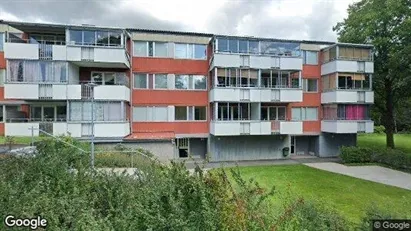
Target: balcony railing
x,y
33,41
27,120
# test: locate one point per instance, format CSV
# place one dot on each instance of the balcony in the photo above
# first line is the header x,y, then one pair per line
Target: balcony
x,y
347,66
233,94
250,127
256,61
22,128
347,96
107,57
101,129
347,126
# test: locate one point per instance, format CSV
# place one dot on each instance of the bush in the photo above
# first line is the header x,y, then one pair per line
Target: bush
x,y
355,154
391,157
379,129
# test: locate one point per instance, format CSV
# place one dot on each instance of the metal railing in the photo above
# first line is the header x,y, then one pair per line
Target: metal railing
x,y
27,120
33,41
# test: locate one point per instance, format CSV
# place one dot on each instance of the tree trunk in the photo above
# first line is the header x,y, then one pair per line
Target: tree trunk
x,y
389,113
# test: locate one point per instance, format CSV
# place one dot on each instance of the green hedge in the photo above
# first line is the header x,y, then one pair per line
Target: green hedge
x,y
391,157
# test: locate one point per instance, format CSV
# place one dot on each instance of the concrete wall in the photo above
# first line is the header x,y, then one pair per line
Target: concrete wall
x,y
198,147
235,148
307,145
329,144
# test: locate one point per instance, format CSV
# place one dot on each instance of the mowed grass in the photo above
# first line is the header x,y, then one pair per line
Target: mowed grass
x,y
401,141
351,197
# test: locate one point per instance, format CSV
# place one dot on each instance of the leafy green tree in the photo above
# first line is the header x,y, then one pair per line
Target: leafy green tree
x,y
387,25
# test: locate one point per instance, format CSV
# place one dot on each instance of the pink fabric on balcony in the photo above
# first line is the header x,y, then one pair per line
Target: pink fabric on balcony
x,y
355,112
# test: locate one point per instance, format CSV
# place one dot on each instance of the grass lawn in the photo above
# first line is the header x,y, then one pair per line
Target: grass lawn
x,y
20,139
402,141
349,196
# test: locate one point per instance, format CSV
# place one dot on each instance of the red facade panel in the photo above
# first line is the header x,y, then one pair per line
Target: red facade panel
x,y
170,97
169,65
176,127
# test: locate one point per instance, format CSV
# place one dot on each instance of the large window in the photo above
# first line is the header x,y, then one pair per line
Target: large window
x,y
280,79
310,57
235,77
346,112
190,51
234,111
141,81
194,82
273,113
95,38
182,113
109,78
353,81
150,49
304,113
354,53
310,85
238,46
150,114
280,48
48,112
103,111
36,71
160,81
2,77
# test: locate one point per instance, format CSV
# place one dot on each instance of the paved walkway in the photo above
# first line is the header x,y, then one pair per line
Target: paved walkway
x,y
372,173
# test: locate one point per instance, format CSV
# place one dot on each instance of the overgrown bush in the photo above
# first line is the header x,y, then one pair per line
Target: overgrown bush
x,y
355,154
391,157
379,129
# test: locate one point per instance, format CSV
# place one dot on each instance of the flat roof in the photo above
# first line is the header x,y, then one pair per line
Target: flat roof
x,y
53,27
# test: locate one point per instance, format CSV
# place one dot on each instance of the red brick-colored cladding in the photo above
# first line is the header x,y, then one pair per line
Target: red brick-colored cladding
x,y
176,127
1,129
169,65
2,61
311,99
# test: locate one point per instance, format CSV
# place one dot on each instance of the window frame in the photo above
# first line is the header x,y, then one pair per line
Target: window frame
x,y
154,81
305,85
304,53
134,80
303,118
190,46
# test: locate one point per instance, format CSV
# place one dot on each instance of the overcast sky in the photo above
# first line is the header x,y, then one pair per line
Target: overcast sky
x,y
288,19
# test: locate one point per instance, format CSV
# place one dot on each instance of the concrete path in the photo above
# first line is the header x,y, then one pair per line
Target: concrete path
x,y
372,173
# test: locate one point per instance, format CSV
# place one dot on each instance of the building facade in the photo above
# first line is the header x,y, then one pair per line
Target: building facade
x,y
183,94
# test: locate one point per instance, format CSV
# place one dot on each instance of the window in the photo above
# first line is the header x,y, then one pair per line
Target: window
x,y
160,49
180,51
160,81
280,48
61,113
222,45
141,81
181,82
200,51
190,51
109,78
253,47
1,41
310,57
103,111
180,113
190,113
140,48
233,45
200,113
273,113
94,38
310,85
200,82
36,71
304,113
243,46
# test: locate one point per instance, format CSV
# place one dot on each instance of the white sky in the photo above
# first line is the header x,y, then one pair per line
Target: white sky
x,y
296,19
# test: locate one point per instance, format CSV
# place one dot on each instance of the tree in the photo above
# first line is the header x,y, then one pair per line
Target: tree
x,y
387,25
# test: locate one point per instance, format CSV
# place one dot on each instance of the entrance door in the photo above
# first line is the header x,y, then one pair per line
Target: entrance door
x,y
293,149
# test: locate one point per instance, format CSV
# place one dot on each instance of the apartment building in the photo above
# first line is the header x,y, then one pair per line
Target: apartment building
x,y
183,94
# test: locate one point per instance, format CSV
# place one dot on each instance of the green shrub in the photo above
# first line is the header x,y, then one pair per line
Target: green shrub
x,y
355,154
391,157
379,129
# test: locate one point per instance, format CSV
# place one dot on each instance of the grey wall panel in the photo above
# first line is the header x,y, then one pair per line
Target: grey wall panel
x,y
198,147
329,144
234,148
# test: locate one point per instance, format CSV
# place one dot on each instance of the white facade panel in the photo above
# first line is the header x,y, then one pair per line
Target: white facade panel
x,y
21,91
348,96
291,63
73,53
225,94
74,129
263,62
369,67
291,127
60,91
21,129
74,91
59,52
346,66
225,128
226,60
21,51
112,93
255,95
111,129
260,128
59,129
111,55
346,126
291,95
